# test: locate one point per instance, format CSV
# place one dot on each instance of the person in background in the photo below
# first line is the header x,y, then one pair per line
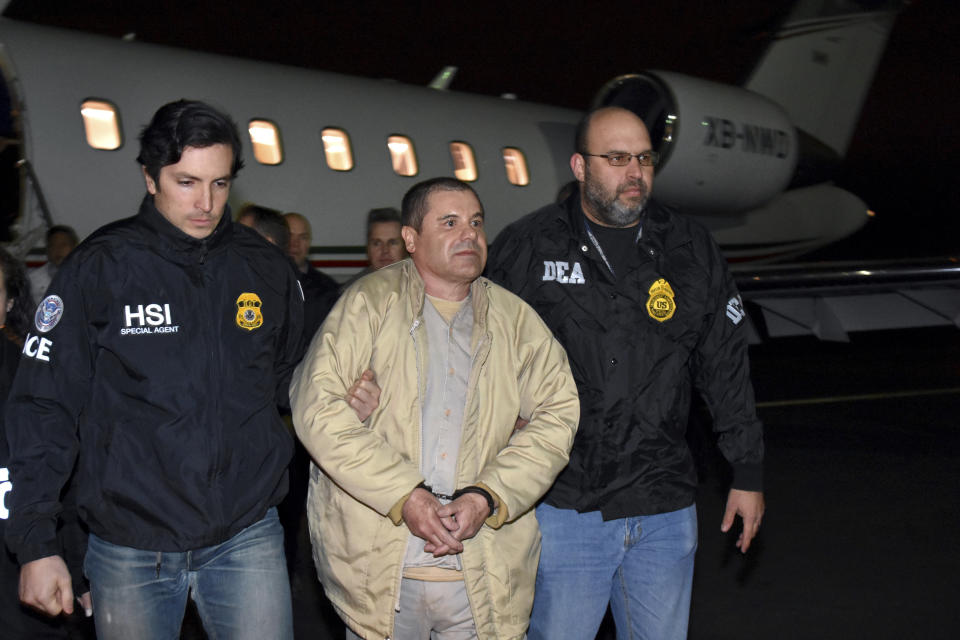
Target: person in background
x,y
384,244
320,291
61,240
19,621
269,223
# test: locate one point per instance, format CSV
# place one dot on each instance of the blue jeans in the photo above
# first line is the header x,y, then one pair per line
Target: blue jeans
x,y
641,566
240,587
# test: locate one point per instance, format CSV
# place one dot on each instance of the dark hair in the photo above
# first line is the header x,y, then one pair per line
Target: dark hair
x,y
181,124
269,223
383,214
414,205
18,289
62,228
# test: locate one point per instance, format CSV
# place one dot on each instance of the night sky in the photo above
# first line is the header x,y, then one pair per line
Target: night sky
x,y
901,161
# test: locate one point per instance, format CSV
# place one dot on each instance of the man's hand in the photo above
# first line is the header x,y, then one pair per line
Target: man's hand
x,y
364,395
45,585
749,506
420,513
465,515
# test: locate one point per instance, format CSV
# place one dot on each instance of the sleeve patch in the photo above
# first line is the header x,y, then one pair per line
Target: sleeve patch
x,y
735,309
48,313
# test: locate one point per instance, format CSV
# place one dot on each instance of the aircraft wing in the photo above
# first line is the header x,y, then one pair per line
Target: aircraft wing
x,y
831,300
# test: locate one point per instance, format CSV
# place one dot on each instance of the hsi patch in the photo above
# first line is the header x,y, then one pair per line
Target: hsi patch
x,y
48,314
661,305
147,320
249,316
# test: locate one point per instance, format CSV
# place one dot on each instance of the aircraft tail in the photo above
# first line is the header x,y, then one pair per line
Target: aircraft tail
x,y
820,64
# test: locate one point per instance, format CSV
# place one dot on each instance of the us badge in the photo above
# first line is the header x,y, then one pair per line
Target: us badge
x,y
661,305
249,316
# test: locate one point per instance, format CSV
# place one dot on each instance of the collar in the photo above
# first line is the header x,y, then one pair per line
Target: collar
x,y
418,291
178,244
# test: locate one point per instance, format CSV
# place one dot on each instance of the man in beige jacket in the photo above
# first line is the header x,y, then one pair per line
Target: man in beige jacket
x,y
421,516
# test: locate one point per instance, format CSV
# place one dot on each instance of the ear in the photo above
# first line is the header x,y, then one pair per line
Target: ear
x,y
576,166
9,305
151,184
409,238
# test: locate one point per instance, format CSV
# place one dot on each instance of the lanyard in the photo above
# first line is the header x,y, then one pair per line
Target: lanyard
x,y
593,239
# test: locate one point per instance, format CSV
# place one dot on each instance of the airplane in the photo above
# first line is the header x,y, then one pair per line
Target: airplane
x,y
752,163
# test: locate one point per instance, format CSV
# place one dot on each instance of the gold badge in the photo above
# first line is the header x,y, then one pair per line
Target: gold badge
x,y
661,305
249,316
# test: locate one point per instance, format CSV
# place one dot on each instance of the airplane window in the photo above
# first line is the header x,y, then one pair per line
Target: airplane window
x,y
265,138
101,124
464,165
336,148
516,166
402,154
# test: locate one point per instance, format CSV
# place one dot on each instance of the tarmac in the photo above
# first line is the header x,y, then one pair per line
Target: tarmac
x,y
862,485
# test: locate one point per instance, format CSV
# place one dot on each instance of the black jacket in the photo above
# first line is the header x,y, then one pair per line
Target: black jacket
x,y
161,359
320,293
634,372
19,621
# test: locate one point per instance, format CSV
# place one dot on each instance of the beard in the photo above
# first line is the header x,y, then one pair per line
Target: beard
x,y
609,208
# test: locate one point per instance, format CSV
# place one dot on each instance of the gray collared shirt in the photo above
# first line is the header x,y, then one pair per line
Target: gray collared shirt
x,y
449,362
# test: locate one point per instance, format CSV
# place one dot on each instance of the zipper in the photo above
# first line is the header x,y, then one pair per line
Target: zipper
x,y
478,360
210,323
418,450
478,363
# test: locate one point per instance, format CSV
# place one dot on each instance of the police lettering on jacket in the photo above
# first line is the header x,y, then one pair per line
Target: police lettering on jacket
x,y
562,272
47,316
147,319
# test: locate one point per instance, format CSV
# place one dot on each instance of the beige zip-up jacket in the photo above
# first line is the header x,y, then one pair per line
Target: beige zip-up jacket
x,y
367,468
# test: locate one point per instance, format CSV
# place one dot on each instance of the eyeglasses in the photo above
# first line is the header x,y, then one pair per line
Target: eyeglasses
x,y
645,158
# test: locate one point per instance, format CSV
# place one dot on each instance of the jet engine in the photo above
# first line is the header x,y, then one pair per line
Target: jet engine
x,y
721,148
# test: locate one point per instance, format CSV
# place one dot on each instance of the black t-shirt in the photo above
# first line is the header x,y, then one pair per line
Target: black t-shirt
x,y
619,245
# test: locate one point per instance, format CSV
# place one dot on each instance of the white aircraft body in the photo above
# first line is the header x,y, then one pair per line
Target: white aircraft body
x,y
332,146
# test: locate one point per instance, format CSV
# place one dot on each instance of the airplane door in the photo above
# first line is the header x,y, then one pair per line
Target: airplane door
x,y
10,154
